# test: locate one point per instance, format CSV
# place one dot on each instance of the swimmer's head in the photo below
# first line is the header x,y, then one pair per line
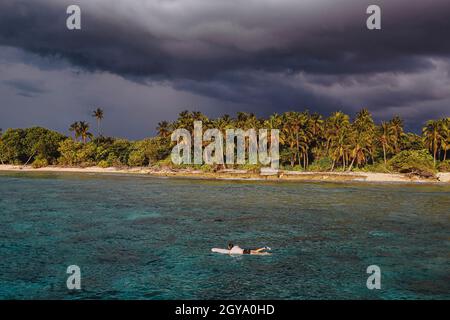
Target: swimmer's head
x,y
230,245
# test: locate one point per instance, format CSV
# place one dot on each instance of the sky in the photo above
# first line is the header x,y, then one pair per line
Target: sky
x,y
144,61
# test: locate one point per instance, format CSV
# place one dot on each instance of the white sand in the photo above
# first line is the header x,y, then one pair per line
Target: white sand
x,y
240,174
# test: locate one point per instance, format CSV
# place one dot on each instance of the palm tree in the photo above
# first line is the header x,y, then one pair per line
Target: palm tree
x,y
384,138
444,126
163,129
75,128
84,131
363,138
1,153
185,121
98,115
432,136
222,124
397,132
337,132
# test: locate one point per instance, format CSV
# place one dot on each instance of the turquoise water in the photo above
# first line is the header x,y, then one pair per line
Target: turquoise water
x,y
149,238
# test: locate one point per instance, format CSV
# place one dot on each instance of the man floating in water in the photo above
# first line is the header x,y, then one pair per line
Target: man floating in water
x,y
235,249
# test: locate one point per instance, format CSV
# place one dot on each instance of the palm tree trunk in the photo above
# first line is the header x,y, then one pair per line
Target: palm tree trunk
x,y
384,153
30,158
304,160
434,154
351,164
307,160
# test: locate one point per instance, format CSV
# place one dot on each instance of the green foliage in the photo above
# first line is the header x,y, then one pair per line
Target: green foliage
x,y
207,168
444,166
39,163
296,167
379,167
69,150
148,151
307,142
103,164
254,168
43,143
21,145
413,141
322,164
418,162
13,149
164,163
77,154
137,159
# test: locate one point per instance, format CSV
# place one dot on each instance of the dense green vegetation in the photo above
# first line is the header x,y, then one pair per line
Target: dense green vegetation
x,y
307,142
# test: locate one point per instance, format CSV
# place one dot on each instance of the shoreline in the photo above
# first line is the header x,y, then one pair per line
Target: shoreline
x,y
242,174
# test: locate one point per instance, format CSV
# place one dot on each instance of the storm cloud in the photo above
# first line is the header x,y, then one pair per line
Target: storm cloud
x,y
260,56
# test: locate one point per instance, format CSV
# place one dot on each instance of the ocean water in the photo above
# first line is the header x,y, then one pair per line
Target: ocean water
x,y
150,238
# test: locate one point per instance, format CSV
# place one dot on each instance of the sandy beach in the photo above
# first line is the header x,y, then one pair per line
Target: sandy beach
x,y
242,174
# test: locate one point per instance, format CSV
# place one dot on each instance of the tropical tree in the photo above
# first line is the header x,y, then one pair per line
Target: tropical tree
x,y
432,137
98,114
185,121
337,130
75,128
1,146
164,129
84,131
396,133
363,138
444,127
384,138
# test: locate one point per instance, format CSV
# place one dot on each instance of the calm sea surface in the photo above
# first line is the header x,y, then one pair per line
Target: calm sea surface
x,y
149,238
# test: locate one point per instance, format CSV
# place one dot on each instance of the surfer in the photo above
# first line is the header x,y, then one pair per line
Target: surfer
x,y
235,249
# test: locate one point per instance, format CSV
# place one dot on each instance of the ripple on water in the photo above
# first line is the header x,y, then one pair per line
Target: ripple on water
x,y
145,238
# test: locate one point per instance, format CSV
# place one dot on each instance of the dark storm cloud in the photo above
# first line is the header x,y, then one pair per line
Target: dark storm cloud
x,y
265,55
25,88
198,40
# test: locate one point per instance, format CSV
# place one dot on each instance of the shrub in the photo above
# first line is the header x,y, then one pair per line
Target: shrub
x,y
322,164
418,162
207,168
68,150
103,164
444,166
254,168
39,163
137,159
165,163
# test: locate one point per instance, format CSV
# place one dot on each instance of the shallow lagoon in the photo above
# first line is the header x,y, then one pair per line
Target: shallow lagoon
x,y
150,238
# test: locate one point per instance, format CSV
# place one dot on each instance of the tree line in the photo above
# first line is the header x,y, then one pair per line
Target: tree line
x,y
308,141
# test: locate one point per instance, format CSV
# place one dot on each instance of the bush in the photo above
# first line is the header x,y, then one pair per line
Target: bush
x,y
418,162
137,159
69,150
444,166
165,163
322,164
207,168
379,167
103,164
253,168
39,163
